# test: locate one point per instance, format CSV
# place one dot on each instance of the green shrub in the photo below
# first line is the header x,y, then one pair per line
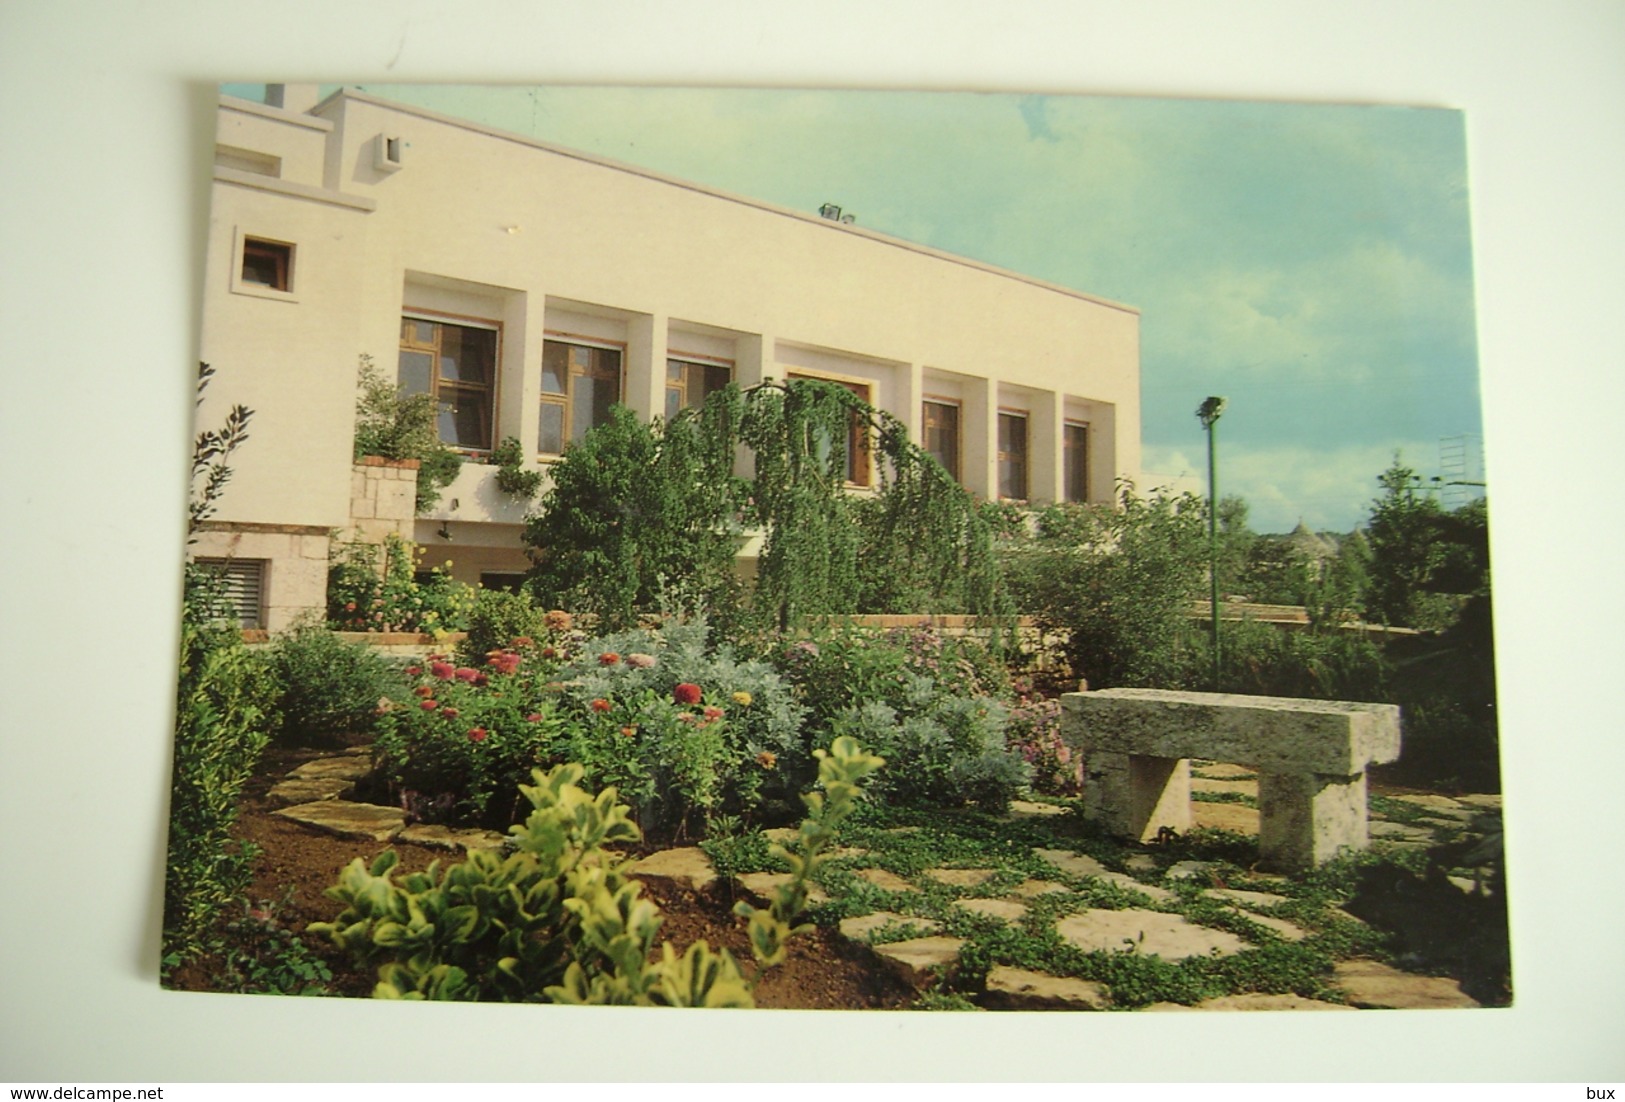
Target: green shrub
x,y
325,686
560,920
512,476
363,595
396,425
225,698
1334,665
496,619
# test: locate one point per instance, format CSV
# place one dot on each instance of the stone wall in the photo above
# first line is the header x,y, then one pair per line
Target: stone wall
x,y
383,500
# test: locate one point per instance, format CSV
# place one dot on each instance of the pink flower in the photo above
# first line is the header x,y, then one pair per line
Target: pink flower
x,y
521,641
429,705
423,690
464,673
413,671
504,663
640,661
601,705
476,734
628,732
534,717
686,692
608,658
442,670
713,714
557,620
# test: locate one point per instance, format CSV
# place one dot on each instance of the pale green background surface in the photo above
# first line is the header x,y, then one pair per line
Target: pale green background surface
x,y
105,124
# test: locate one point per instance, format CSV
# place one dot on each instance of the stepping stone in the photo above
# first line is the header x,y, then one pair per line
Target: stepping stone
x,y
1431,801
1149,933
1240,788
349,768
1373,985
1005,910
687,866
1027,809
361,822
1399,832
1233,817
1019,989
1281,926
1141,862
1482,801
457,839
1031,889
764,884
307,790
1255,1000
1127,882
962,878
859,928
885,881
1247,898
918,962
1073,864
1188,870
1222,770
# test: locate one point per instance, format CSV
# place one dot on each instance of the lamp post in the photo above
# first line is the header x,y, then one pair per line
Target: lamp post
x,y
1208,413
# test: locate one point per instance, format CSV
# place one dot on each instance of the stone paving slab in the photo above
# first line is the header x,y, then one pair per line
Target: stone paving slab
x,y
885,880
1073,864
1030,889
962,878
308,790
456,839
1005,910
1140,862
687,866
351,768
1373,985
1253,1001
361,822
1019,989
860,927
1482,801
1150,933
1188,870
764,884
1247,898
1398,832
917,962
1027,809
1287,930
1233,817
1224,770
1128,883
1239,787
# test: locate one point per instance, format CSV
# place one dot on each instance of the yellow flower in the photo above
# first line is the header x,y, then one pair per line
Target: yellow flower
x,y
742,699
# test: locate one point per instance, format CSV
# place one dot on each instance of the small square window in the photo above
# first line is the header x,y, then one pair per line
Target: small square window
x,y
267,264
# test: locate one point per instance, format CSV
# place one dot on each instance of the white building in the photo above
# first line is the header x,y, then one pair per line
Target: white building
x,y
529,287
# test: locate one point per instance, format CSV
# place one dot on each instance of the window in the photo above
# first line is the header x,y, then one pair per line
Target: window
x,y
1013,455
267,264
580,382
1076,458
457,364
857,432
689,382
242,589
940,428
508,582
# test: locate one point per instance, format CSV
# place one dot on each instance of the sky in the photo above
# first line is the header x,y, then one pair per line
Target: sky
x,y
1309,263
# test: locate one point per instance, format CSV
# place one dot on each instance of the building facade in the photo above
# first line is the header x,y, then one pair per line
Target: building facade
x,y
529,288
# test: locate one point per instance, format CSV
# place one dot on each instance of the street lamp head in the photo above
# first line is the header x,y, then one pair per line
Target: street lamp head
x,y
1208,412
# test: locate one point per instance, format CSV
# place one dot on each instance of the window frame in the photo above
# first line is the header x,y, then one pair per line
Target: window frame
x,y
1023,458
958,408
683,387
1080,455
285,255
491,389
860,473
567,398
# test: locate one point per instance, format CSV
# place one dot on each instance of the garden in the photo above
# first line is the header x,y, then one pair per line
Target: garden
x,y
641,782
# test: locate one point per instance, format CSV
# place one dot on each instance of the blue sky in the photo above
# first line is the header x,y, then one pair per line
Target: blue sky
x,y
1310,263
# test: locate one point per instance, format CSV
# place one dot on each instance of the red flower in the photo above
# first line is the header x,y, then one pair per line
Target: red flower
x,y
429,705
464,673
476,734
413,671
504,662
479,679
601,705
522,641
449,713
534,717
712,714
628,732
424,690
686,693
349,606
549,652
608,658
442,670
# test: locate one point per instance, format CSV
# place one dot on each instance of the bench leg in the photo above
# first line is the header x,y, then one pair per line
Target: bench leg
x,y
1306,819
1134,796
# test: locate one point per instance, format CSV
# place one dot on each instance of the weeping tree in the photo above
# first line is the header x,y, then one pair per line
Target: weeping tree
x,y
638,511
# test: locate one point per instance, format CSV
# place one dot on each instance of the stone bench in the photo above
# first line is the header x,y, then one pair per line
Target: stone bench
x,y
1310,756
